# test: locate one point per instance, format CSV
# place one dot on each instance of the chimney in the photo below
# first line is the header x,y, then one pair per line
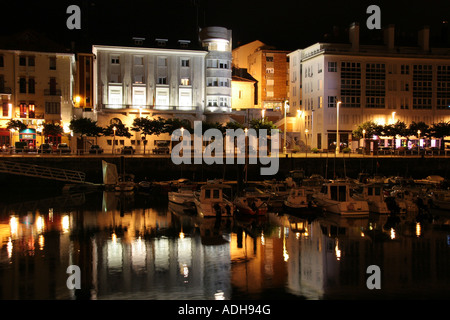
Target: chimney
x,y
354,35
389,36
424,38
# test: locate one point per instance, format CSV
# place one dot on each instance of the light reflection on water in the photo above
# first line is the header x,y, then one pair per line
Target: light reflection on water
x,y
138,247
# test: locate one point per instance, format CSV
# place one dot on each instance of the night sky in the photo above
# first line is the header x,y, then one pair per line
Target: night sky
x,y
286,24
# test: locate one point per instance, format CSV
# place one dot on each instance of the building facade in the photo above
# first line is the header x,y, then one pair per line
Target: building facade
x,y
380,83
269,67
182,81
36,87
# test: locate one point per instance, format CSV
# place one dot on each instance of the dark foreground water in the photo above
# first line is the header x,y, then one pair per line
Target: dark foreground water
x,y
137,247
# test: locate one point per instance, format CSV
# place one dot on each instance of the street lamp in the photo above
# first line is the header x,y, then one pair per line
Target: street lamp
x,y
114,139
338,142
364,139
263,112
306,138
418,142
285,126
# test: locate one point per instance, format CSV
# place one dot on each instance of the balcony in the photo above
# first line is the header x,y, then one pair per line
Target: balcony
x,y
128,108
5,90
52,92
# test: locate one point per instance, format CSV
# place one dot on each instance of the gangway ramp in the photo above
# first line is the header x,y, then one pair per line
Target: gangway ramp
x,y
31,170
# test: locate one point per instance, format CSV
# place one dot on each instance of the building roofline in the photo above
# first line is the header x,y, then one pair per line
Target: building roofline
x,y
96,48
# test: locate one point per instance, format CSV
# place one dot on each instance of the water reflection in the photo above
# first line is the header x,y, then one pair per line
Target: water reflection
x,y
139,247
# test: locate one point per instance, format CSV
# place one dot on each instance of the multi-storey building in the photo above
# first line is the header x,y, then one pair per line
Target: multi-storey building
x,y
36,85
269,67
382,83
181,80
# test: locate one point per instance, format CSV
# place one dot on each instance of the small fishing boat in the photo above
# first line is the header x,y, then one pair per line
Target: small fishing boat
x,y
250,205
213,200
335,197
183,196
298,201
373,194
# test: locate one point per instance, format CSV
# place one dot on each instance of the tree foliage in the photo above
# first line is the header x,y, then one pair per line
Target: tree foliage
x,y
16,125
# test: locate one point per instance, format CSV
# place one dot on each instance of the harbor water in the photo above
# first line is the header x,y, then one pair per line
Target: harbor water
x,y
139,246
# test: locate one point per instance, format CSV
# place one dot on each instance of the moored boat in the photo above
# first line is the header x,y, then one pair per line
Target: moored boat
x,y
335,197
299,201
373,194
250,205
213,201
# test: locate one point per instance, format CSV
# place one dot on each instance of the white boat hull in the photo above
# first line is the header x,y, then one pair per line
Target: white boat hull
x,y
345,208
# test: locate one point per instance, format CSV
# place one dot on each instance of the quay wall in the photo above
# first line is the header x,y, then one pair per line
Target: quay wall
x,y
162,168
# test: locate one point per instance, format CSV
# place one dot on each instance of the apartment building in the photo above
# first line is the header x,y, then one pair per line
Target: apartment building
x,y
178,79
36,86
383,83
269,67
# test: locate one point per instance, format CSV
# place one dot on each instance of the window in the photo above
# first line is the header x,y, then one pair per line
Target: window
x,y
23,110
2,62
52,63
185,82
223,102
162,97
115,60
115,97
184,62
22,85
223,64
52,107
31,85
212,82
139,96
5,109
185,99
22,61
269,94
332,66
212,101
212,63
270,70
31,109
162,80
162,62
31,61
269,59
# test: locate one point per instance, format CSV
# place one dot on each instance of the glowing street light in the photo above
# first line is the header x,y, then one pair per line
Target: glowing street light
x,y
285,125
263,112
114,139
338,142
418,142
306,138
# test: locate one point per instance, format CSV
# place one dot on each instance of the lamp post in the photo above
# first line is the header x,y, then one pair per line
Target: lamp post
x,y
306,139
338,142
418,142
263,112
114,140
285,126
364,140
12,130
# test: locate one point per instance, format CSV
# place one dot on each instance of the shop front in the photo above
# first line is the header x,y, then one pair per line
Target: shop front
x,y
29,136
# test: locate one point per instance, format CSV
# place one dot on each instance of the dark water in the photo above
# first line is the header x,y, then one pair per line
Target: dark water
x,y
134,247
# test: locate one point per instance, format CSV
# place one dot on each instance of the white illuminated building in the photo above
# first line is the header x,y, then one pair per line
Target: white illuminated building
x,y
217,40
383,83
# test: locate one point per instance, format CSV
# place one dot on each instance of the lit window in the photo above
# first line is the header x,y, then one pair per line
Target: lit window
x,y
185,82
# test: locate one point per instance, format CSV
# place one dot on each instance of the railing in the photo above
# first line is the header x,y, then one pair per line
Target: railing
x,y
31,170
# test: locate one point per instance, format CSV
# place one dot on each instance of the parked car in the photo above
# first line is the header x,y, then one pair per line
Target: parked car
x,y
45,148
95,148
63,148
127,150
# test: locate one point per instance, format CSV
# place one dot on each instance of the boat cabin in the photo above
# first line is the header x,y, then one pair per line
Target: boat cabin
x,y
336,191
215,192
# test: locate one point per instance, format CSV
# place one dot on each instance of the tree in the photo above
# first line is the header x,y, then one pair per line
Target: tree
x,y
258,124
148,126
414,127
371,129
121,130
51,129
16,125
85,127
440,130
172,124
